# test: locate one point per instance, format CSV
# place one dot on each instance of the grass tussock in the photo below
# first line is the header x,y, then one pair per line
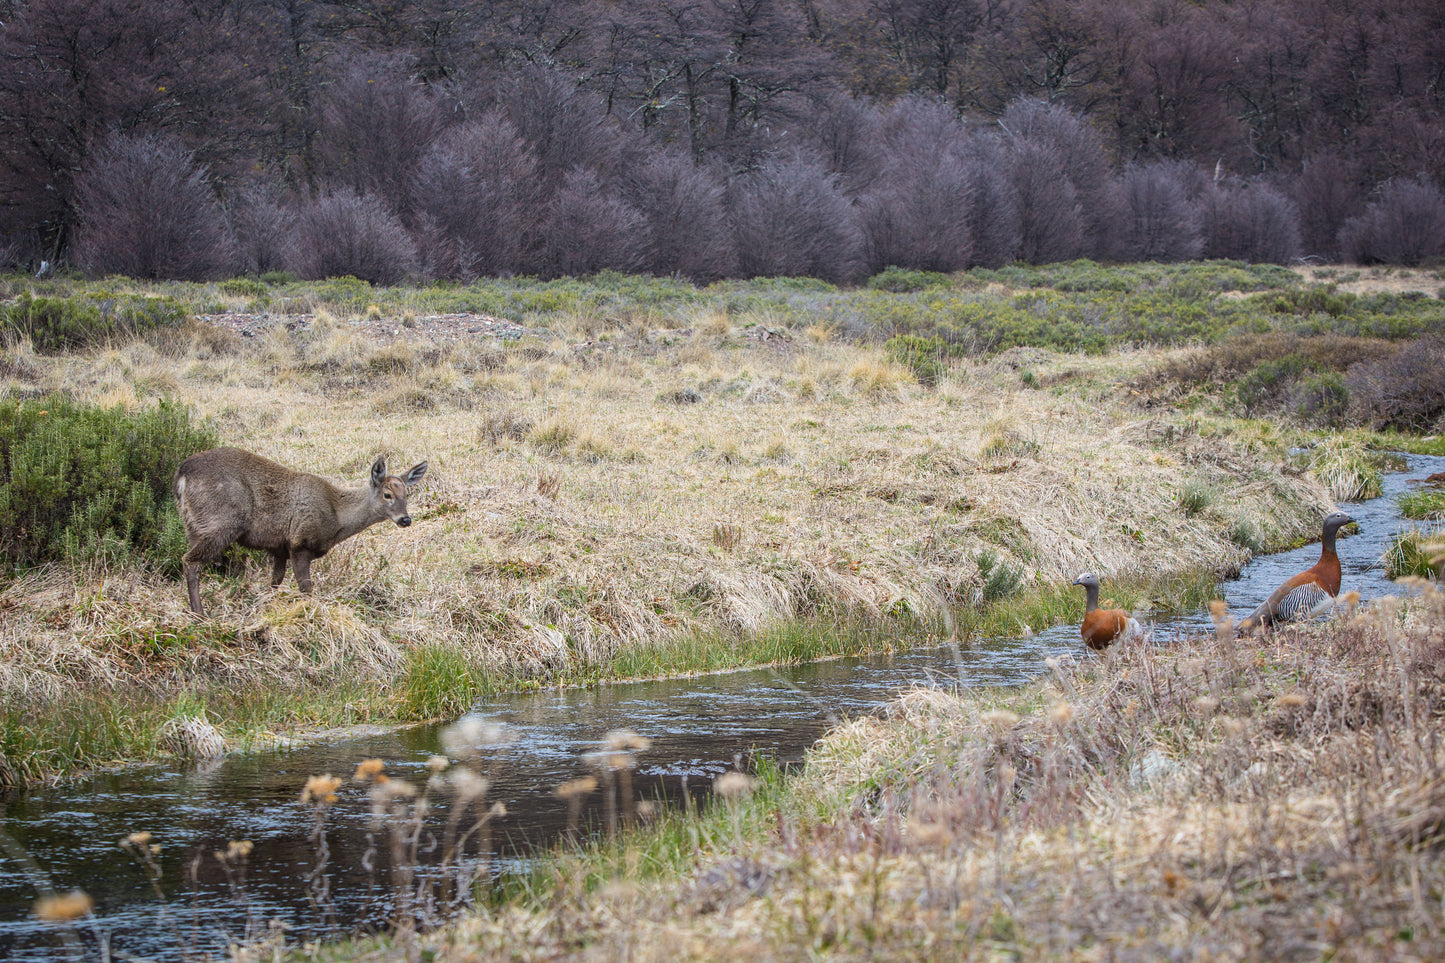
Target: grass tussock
x,y
1424,503
1221,798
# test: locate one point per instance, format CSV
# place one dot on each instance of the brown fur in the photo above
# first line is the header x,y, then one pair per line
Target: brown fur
x,y
228,496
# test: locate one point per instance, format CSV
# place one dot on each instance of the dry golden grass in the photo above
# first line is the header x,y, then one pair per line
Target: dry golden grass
x,y
580,492
1219,799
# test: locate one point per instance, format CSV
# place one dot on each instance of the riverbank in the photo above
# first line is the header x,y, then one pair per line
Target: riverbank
x,y
1220,798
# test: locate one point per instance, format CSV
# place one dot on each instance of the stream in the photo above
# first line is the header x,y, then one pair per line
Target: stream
x,y
698,727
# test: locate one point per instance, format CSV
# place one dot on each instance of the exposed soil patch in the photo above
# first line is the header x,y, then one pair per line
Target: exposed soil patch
x,y
436,328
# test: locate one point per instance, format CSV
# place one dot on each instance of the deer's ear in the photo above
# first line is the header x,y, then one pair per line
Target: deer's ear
x,y
414,476
378,471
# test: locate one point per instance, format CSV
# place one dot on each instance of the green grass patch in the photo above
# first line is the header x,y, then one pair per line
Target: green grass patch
x,y
441,681
86,730
1411,553
1423,503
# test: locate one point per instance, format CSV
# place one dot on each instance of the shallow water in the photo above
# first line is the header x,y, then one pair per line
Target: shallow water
x,y
699,728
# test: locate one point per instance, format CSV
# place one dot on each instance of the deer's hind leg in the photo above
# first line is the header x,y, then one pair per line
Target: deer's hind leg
x,y
278,567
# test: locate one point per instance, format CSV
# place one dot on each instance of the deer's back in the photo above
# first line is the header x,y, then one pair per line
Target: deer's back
x,y
262,503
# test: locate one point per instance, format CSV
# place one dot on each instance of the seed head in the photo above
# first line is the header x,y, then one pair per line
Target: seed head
x,y
1061,713
1000,720
733,784
1218,610
573,788
64,907
466,784
438,763
471,733
138,840
625,740
1205,705
368,769
1290,700
320,789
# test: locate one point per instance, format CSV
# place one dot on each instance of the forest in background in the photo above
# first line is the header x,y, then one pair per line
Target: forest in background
x,y
442,140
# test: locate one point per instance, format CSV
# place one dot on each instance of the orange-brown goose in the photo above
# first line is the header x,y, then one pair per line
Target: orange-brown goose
x,y
1101,627
1311,592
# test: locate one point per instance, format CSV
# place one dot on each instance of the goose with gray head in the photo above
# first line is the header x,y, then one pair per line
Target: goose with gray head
x,y
1103,627
1309,594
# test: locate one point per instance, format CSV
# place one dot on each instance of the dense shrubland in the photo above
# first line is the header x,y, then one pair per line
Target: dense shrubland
x,y
446,141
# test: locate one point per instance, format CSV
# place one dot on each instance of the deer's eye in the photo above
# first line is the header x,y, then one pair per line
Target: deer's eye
x,y
386,495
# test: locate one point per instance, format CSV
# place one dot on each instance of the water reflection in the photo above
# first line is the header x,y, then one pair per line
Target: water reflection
x,y
698,728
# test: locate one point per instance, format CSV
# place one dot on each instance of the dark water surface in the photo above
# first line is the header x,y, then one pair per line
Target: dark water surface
x,y
698,728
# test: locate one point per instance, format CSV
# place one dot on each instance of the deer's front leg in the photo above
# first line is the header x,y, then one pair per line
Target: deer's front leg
x,y
278,568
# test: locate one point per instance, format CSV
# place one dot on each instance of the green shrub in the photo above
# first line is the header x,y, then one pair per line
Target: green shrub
x,y
244,288
1000,579
925,357
1322,400
78,482
1268,381
902,280
58,324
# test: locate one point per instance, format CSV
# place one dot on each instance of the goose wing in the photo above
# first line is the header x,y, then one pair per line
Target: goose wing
x,y
1299,598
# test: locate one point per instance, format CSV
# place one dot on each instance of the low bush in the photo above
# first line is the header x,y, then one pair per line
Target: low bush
x,y
80,482
1404,391
59,324
899,280
927,358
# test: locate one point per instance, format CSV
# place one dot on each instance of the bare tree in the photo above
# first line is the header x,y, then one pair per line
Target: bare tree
x,y
1158,221
146,210
1050,215
790,218
918,213
688,233
1404,224
476,196
263,226
345,233
375,125
1064,138
590,230
1250,221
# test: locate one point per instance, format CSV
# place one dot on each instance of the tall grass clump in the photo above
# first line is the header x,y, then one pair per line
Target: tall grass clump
x,y
1425,504
1348,471
1415,552
440,681
78,481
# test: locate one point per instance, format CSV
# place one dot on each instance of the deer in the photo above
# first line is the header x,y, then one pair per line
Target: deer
x,y
229,496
